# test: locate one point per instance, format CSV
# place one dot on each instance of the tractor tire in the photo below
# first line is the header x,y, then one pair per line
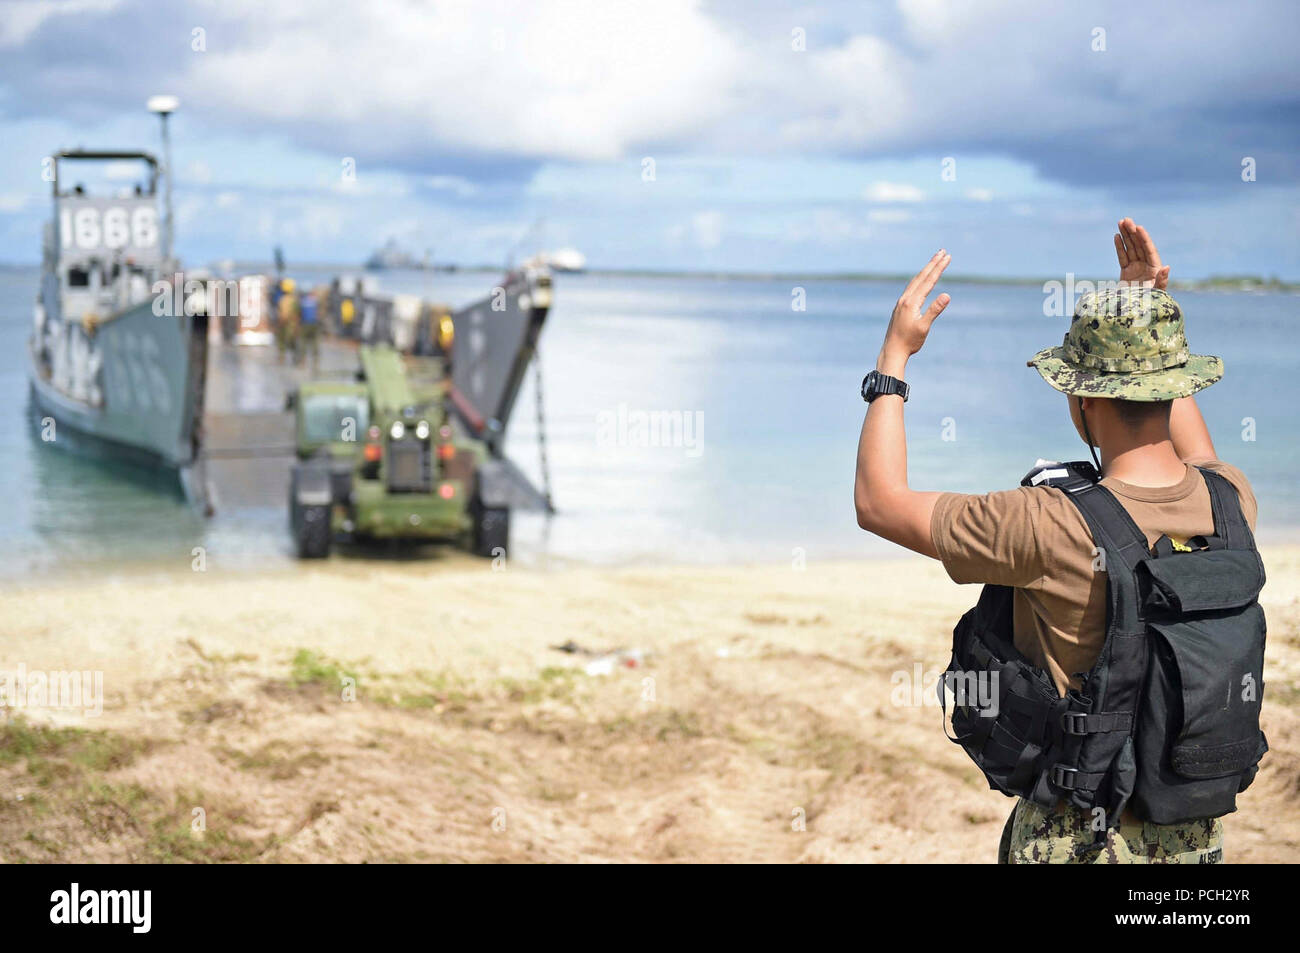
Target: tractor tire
x,y
312,531
491,531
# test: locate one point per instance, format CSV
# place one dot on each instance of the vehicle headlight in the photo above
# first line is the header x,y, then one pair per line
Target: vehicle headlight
x,y
422,430
398,430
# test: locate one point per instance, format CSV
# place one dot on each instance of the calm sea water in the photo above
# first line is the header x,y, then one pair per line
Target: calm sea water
x,y
768,397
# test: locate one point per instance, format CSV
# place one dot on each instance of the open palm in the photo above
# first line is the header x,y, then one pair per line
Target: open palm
x,y
1138,259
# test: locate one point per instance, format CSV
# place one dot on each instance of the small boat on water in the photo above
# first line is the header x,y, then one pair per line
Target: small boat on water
x,y
562,261
567,260
117,354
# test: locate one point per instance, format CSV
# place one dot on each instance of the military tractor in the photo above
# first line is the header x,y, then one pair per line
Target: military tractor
x,y
382,457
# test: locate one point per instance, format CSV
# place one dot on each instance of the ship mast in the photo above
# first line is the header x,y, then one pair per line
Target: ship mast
x,y
164,106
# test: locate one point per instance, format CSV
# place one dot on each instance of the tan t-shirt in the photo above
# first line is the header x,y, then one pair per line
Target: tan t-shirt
x,y
1035,539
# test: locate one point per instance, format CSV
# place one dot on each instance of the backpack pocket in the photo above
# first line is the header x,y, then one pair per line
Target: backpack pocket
x,y
1199,582
1005,709
1198,738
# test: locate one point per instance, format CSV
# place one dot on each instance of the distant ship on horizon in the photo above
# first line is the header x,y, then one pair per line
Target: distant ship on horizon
x,y
392,255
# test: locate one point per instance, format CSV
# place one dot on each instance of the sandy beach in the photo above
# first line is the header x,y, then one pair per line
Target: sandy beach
x,y
385,711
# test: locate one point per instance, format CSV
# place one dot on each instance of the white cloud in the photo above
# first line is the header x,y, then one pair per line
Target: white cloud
x,y
826,226
980,195
455,184
889,216
22,18
199,171
559,78
848,94
892,192
1018,77
409,85
322,220
365,184
706,229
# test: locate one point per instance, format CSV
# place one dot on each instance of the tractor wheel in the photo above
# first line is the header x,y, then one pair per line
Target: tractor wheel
x,y
312,531
491,531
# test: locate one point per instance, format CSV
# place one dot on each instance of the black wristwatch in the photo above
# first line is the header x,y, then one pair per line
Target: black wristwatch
x,y
875,384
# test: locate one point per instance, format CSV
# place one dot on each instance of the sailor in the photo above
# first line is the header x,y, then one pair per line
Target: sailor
x,y
1082,737
310,328
273,294
286,327
446,337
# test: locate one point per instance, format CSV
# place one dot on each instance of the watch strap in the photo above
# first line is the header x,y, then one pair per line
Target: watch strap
x,y
882,385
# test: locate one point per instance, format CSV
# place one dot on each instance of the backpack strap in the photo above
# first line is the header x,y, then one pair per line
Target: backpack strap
x,y
1092,778
1113,530
1229,522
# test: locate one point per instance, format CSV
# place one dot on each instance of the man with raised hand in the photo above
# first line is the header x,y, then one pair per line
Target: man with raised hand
x,y
1129,378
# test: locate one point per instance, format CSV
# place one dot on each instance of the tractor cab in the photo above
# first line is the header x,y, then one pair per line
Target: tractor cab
x,y
332,417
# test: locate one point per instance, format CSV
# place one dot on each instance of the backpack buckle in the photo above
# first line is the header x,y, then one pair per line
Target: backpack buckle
x,y
1058,777
1074,722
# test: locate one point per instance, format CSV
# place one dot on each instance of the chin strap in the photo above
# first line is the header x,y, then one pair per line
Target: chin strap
x,y
1088,435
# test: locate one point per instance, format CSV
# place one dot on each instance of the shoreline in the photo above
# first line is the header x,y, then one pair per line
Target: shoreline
x,y
1231,284
437,558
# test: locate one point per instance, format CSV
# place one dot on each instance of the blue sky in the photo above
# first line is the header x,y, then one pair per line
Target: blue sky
x,y
784,136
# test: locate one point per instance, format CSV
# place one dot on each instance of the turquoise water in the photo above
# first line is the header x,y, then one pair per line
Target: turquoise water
x,y
769,412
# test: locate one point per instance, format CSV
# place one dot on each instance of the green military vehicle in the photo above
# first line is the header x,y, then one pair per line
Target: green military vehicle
x,y
381,457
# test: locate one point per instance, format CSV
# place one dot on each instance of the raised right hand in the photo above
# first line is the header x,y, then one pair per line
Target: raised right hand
x,y
1138,259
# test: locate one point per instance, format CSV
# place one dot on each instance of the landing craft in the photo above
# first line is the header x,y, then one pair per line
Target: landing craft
x,y
109,372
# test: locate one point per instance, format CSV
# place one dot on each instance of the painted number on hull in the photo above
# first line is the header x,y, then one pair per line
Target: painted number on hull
x,y
116,226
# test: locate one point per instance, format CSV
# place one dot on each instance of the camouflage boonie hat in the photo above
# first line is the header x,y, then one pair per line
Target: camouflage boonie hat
x,y
1127,342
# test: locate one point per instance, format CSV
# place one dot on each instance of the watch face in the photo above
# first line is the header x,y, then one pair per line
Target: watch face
x,y
868,383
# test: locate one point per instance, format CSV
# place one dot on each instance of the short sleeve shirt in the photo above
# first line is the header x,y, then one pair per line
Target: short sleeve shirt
x,y
1035,540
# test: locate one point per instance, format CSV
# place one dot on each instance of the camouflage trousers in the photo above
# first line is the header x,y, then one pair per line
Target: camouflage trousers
x,y
1065,835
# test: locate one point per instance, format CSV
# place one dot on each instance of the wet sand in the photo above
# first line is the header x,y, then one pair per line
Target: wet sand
x,y
759,719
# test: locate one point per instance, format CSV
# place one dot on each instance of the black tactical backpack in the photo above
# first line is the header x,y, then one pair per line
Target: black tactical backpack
x,y
1167,720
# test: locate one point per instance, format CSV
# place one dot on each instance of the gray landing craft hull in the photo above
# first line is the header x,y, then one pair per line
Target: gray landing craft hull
x,y
136,393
